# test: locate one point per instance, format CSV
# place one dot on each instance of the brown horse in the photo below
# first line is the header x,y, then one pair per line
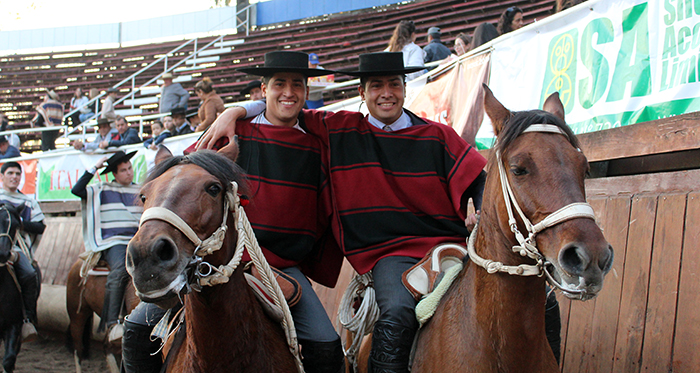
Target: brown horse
x,y
84,300
493,321
225,328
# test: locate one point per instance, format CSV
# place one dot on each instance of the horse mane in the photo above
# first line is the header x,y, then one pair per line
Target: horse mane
x,y
520,120
216,164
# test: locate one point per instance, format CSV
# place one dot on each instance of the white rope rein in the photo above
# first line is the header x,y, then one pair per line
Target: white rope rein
x,y
246,239
361,322
527,246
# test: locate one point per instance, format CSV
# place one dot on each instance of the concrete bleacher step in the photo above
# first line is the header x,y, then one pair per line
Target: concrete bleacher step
x,y
128,112
141,101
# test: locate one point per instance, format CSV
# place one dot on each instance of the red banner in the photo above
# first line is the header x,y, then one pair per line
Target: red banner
x,y
455,97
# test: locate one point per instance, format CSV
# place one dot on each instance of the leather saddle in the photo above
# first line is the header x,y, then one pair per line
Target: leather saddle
x,y
423,277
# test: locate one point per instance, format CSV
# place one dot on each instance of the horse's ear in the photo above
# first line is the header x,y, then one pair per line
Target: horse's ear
x,y
163,154
231,150
495,110
553,105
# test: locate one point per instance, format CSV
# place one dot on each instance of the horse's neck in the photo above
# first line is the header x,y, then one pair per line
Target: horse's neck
x,y
225,322
511,307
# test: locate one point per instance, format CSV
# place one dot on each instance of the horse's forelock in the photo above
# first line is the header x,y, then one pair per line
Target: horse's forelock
x,y
519,122
219,166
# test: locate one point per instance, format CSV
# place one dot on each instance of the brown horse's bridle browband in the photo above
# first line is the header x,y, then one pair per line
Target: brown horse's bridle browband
x,y
527,245
208,275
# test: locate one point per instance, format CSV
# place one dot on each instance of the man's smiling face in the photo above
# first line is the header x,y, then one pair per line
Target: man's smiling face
x,y
286,94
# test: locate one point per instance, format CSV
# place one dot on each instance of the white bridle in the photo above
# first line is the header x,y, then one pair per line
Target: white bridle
x,y
527,246
208,275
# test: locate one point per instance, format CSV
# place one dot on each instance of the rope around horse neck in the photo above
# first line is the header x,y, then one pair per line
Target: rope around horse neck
x,y
221,275
362,322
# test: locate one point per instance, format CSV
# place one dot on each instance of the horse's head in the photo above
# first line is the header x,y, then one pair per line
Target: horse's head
x,y
9,223
194,189
538,156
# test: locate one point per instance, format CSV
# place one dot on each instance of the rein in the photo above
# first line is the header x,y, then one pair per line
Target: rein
x,y
528,246
208,275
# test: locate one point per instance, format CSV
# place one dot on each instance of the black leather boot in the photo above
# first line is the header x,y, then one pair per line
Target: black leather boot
x,y
138,351
391,348
322,357
552,323
30,294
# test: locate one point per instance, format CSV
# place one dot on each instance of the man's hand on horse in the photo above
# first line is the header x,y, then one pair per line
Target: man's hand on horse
x,y
223,126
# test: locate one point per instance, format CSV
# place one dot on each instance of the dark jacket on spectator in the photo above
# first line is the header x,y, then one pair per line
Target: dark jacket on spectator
x,y
435,51
158,140
129,137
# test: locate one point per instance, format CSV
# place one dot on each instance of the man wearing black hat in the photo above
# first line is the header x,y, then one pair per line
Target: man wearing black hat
x,y
284,166
400,184
253,87
182,126
111,216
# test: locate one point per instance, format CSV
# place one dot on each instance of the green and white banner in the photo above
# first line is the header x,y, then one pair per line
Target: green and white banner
x,y
614,63
57,174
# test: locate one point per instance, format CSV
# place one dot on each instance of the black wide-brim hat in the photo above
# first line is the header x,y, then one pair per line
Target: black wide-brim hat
x,y
285,62
250,86
382,64
117,159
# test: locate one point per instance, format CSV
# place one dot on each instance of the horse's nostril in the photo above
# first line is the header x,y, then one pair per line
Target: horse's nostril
x,y
573,259
164,250
606,260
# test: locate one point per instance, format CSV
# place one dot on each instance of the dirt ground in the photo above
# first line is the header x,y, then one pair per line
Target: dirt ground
x,y
49,354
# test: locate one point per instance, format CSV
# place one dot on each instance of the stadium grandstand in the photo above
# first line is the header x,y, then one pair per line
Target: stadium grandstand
x,y
338,38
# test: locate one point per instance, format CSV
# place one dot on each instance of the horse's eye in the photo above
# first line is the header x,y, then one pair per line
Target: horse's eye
x,y
214,190
518,171
143,198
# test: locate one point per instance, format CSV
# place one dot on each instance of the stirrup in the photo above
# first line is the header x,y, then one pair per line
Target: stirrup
x,y
115,333
29,333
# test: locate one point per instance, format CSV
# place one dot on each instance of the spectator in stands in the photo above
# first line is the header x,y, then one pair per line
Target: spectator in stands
x,y
108,106
435,50
105,132
561,5
169,125
159,133
125,135
92,108
78,102
253,87
111,215
315,99
5,126
172,95
192,117
31,228
7,150
462,44
403,40
483,34
511,20
212,105
182,126
49,114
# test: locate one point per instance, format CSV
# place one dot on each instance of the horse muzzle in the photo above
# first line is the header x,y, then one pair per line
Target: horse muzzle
x,y
579,273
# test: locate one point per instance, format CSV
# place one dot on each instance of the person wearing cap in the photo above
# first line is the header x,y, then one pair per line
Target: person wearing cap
x,y
32,227
111,212
435,50
108,105
105,132
7,150
253,88
172,95
125,135
400,183
49,114
284,166
315,99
